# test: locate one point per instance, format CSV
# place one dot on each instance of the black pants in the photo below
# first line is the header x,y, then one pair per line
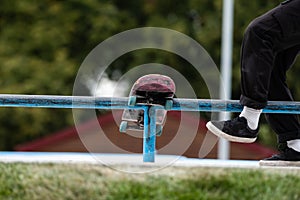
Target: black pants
x,y
270,46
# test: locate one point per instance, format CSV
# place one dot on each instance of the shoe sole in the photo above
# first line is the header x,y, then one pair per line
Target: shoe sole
x,y
279,163
212,128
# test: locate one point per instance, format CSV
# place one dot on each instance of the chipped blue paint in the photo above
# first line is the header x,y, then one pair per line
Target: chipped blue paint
x,y
88,102
147,145
180,104
151,139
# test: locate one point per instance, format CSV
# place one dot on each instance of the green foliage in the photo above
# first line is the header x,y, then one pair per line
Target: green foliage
x,y
61,181
42,44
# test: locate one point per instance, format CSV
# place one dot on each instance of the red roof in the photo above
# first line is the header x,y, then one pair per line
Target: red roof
x,y
108,118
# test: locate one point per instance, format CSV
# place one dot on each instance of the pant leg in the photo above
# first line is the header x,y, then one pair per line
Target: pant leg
x,y
265,37
286,126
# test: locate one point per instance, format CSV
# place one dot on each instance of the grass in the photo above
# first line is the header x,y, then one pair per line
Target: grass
x,y
80,181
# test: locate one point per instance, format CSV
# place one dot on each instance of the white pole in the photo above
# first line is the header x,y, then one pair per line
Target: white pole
x,y
226,70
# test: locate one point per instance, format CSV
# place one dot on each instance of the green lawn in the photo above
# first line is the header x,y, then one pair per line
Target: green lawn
x,y
80,181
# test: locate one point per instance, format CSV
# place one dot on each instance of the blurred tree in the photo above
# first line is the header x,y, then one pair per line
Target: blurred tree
x,y
42,44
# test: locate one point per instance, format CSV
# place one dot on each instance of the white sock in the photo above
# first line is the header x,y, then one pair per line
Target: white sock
x,y
294,144
252,115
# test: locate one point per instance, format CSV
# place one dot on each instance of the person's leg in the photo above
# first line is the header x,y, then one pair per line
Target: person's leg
x,y
275,31
285,47
257,56
286,126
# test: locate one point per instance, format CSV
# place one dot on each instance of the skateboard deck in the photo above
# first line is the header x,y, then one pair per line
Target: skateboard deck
x,y
152,89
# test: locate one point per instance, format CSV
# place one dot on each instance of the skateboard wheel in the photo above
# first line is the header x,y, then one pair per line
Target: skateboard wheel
x,y
132,100
159,129
123,127
169,104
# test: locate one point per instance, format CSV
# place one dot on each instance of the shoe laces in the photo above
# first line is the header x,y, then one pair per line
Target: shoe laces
x,y
236,122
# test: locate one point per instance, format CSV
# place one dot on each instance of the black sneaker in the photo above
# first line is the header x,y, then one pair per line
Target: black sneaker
x,y
286,157
235,130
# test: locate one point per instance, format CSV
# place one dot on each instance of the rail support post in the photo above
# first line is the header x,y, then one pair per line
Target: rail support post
x,y
149,146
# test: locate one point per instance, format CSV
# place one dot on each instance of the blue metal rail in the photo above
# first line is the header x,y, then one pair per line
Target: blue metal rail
x,y
88,102
149,139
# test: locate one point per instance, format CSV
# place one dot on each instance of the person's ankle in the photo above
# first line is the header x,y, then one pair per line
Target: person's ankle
x,y
252,116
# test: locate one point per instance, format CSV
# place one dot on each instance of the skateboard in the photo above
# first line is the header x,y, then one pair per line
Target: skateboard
x,y
151,89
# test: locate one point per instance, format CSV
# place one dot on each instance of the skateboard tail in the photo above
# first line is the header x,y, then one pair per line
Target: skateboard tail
x,y
154,83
